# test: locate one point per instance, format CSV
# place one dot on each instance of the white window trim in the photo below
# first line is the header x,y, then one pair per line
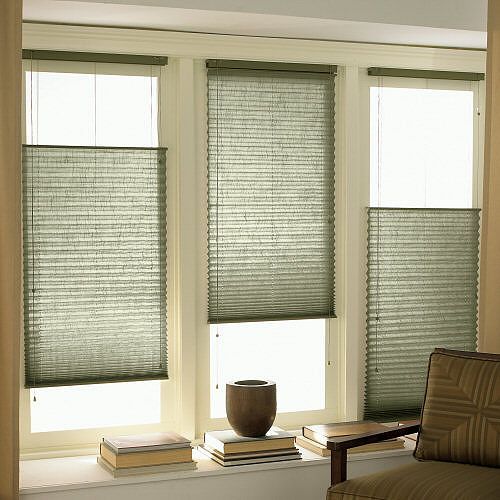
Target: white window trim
x,y
365,82
186,406
34,443
332,373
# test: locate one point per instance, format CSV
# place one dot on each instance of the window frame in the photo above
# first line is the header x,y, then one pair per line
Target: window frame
x,y
478,90
35,442
479,103
184,132
204,421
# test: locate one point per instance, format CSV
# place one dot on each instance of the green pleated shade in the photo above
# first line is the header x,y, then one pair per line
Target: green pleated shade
x,y
270,194
94,264
422,291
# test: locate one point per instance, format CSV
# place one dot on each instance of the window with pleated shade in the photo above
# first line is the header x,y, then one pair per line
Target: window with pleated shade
x,y
423,237
271,224
94,243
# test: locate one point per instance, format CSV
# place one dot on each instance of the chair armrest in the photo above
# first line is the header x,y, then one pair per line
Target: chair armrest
x,y
339,446
346,442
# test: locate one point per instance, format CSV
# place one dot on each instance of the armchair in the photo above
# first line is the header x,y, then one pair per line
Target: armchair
x,y
458,447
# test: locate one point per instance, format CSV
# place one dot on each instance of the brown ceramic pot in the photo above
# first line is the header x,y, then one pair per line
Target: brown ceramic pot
x,y
251,406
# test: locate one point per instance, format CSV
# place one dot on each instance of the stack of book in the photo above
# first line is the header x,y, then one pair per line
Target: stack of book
x,y
412,437
315,437
227,448
146,454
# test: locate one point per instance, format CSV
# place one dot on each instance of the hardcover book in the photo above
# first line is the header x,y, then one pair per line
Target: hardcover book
x,y
150,469
146,442
321,433
249,454
229,442
139,459
228,462
390,444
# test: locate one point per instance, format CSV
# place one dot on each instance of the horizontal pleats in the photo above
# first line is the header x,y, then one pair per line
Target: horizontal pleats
x,y
94,264
270,195
422,288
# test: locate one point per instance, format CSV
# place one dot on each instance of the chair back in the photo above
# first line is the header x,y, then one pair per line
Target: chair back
x,y
461,414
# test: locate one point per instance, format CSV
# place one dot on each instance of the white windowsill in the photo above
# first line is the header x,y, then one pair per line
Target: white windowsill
x,y
72,473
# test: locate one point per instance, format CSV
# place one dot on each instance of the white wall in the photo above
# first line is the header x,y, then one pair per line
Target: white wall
x,y
447,23
452,14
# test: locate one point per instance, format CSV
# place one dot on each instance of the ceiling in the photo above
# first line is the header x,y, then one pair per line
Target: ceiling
x,y
445,23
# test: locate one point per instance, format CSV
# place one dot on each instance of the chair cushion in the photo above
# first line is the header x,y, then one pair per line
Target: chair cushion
x,y
461,413
423,481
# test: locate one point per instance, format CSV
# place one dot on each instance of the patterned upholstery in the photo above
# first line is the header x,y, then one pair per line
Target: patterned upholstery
x,y
423,481
461,415
459,441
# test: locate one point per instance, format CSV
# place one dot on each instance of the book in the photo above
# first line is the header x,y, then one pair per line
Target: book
x,y
140,459
146,442
229,442
412,421
250,460
310,445
413,436
150,469
321,433
390,444
249,454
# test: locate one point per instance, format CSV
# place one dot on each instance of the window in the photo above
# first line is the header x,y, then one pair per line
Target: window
x,y
420,139
317,359
95,406
271,228
111,176
423,239
82,104
290,353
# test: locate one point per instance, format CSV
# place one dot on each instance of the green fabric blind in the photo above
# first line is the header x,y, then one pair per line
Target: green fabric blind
x,y
428,74
421,294
59,55
270,194
94,264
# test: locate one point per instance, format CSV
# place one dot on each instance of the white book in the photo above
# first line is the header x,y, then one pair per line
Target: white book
x,y
145,442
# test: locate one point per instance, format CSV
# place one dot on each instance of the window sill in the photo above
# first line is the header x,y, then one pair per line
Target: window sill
x,y
83,472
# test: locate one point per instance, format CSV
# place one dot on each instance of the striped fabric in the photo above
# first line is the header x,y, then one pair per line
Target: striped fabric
x,y
461,416
423,481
